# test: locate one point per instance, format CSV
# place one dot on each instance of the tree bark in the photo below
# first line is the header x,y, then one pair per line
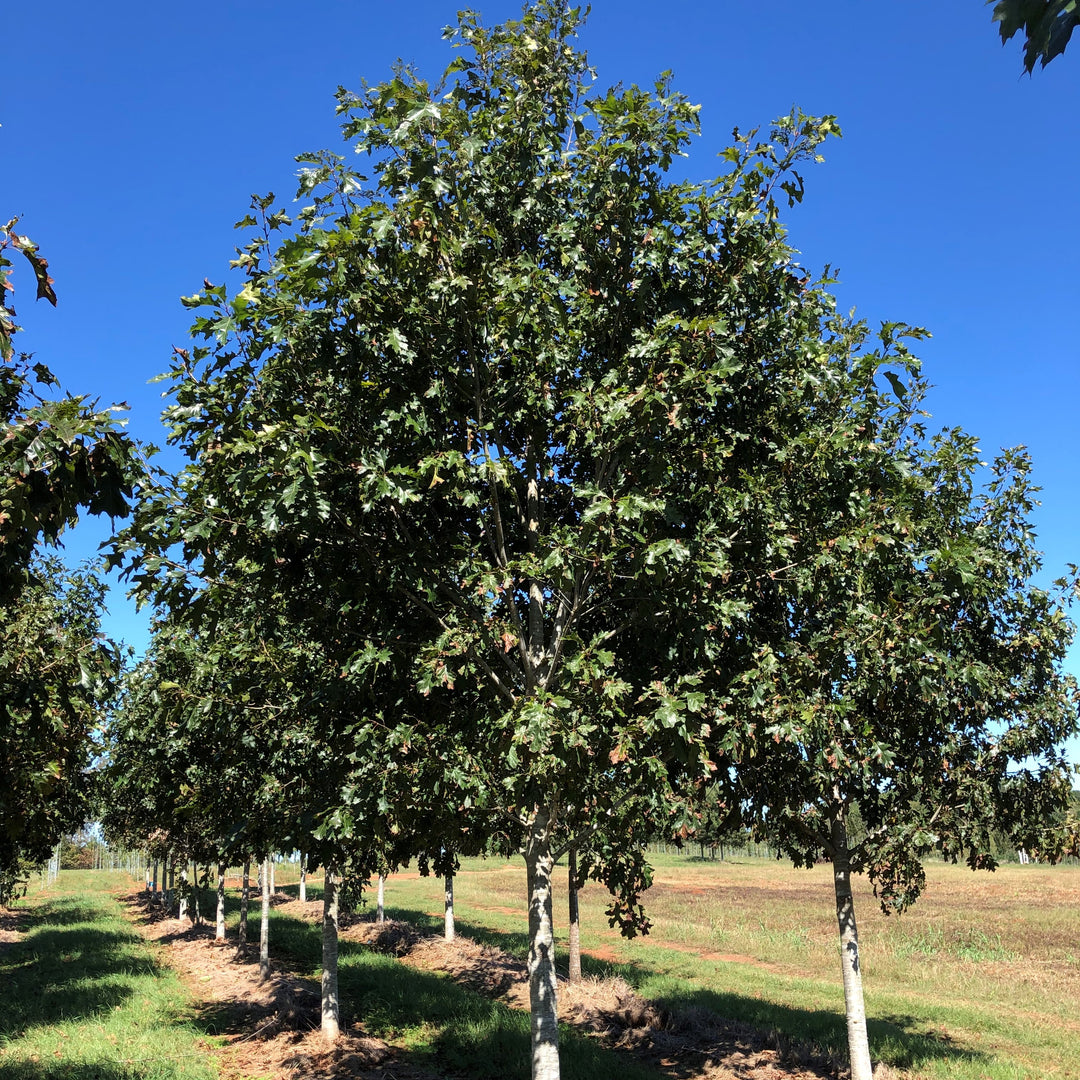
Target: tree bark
x,y
448,906
331,1006
380,906
574,942
303,878
264,926
219,933
181,908
858,1043
245,896
196,909
541,963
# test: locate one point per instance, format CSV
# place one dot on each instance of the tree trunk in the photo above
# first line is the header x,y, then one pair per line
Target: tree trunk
x,y
574,943
245,896
331,1006
448,907
154,889
219,933
181,908
303,878
541,963
858,1044
196,910
380,906
264,926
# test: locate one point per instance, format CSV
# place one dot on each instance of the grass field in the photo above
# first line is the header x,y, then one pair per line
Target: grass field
x,y
981,979
85,998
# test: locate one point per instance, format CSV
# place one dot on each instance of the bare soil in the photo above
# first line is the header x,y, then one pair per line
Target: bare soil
x,y
272,1027
11,926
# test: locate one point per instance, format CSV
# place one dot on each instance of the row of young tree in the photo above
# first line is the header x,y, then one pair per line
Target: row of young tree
x,y
537,499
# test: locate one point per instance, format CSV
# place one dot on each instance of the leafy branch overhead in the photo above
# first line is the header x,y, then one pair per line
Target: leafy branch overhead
x,y
1047,26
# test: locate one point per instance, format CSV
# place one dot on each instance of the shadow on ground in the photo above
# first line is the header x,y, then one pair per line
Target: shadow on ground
x,y
816,1038
64,968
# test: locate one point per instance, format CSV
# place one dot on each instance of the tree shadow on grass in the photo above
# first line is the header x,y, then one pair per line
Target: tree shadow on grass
x,y
64,969
446,1027
812,1036
86,1070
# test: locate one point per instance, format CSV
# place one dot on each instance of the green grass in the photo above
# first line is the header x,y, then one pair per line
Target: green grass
x,y
86,999
980,981
449,1029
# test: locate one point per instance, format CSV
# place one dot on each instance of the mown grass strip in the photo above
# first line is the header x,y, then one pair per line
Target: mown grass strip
x,y
971,1019
85,998
452,1030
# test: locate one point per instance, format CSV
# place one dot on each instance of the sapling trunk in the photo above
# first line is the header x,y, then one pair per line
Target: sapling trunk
x,y
264,925
380,906
855,1009
448,908
245,896
541,963
181,909
196,909
303,878
219,932
574,935
331,1006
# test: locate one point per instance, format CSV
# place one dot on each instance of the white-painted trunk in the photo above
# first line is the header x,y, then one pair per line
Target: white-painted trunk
x,y
264,926
448,907
196,910
303,879
219,932
331,1006
541,962
574,935
245,896
858,1043
181,910
380,902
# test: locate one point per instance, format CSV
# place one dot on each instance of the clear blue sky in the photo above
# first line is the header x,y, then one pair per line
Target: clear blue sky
x,y
134,134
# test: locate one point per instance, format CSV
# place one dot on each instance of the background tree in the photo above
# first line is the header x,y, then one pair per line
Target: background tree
x,y
919,673
57,458
57,677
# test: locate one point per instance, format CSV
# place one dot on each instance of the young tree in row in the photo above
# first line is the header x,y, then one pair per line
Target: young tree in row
x,y
58,676
525,405
917,676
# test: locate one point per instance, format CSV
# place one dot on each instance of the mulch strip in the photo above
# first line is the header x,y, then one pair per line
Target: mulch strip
x,y
271,1027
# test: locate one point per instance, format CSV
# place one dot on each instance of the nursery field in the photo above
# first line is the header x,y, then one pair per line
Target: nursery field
x,y
980,980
